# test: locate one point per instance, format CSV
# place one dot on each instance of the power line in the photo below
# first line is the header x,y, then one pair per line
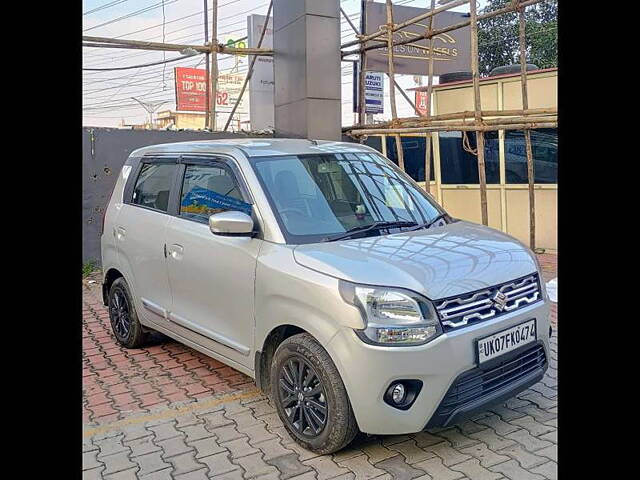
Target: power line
x,y
129,15
138,66
110,4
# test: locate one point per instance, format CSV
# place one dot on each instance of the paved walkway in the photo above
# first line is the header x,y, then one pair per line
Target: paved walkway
x,y
167,411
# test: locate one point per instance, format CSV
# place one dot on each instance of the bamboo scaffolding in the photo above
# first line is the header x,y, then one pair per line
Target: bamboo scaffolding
x,y
454,128
392,97
362,107
475,72
527,133
250,71
440,31
213,82
427,139
406,23
462,115
104,42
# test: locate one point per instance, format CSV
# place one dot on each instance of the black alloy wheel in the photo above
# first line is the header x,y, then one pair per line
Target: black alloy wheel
x,y
120,313
302,397
309,395
124,319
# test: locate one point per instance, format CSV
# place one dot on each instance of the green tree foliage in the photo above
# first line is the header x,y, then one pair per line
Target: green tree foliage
x,y
498,36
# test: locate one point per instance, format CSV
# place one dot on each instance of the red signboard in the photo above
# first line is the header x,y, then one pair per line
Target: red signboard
x,y
422,102
191,89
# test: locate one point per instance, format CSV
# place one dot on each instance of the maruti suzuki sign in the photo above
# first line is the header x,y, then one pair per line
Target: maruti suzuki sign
x,y
374,92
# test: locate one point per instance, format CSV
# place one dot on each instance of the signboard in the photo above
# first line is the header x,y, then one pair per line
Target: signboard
x,y
229,86
451,50
373,92
261,91
191,89
422,102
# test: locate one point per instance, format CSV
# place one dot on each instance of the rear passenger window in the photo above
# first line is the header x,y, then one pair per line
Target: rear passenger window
x,y
153,186
209,189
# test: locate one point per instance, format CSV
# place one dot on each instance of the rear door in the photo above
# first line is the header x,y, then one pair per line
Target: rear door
x,y
140,234
211,276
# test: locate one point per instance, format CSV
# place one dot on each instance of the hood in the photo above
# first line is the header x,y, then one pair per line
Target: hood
x,y
439,262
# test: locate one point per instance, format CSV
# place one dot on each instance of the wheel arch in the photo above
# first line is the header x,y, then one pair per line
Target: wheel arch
x,y
264,356
110,276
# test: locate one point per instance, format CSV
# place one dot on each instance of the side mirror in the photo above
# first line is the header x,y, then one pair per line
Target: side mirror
x,y
231,223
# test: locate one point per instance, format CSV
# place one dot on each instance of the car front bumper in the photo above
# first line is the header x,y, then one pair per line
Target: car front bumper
x,y
446,366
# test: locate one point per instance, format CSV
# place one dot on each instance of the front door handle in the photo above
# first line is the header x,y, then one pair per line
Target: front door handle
x,y
176,251
120,233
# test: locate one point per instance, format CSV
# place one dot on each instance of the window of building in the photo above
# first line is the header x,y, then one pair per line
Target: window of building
x,y
209,189
374,141
457,166
414,155
544,146
153,185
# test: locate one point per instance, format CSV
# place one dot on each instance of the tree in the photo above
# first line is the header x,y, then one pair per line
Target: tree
x,y
498,36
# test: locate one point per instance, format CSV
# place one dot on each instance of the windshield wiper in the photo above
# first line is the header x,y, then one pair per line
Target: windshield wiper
x,y
429,223
366,228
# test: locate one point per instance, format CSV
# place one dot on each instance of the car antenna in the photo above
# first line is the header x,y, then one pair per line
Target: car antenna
x,y
313,142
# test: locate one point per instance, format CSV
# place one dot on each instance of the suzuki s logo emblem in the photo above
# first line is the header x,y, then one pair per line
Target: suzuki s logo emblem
x,y
499,301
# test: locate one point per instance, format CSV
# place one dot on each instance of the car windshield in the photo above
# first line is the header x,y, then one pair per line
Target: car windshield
x,y
320,196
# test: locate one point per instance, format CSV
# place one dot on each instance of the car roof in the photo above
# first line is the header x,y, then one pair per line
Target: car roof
x,y
254,147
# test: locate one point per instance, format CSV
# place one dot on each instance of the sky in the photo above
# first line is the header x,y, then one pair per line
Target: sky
x,y
108,95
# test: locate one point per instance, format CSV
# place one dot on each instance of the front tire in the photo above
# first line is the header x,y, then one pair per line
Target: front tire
x,y
124,320
310,397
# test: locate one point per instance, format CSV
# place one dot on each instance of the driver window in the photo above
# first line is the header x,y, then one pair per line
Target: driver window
x,y
210,189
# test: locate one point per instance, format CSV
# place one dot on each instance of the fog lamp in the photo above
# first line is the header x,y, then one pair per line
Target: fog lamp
x,y
398,393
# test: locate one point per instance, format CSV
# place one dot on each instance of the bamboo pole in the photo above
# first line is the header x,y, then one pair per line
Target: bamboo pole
x,y
392,86
440,31
427,140
406,23
478,116
104,42
207,64
250,71
346,17
527,133
362,107
463,115
404,94
452,128
214,66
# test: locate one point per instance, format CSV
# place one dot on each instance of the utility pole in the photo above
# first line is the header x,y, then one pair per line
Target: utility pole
x,y
214,65
207,66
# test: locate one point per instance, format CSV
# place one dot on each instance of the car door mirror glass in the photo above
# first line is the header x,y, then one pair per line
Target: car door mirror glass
x,y
231,223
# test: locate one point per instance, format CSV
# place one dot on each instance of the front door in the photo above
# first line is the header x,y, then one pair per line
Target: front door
x,y
211,276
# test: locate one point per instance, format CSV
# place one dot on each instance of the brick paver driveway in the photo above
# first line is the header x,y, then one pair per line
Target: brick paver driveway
x,y
167,411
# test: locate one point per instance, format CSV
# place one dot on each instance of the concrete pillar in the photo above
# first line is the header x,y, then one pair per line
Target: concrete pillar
x,y
306,43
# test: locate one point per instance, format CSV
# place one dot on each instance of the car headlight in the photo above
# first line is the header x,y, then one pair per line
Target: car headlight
x,y
392,316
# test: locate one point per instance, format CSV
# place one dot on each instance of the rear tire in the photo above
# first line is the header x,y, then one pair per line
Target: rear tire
x,y
310,397
124,320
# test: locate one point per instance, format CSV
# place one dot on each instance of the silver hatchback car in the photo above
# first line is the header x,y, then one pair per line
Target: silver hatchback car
x,y
327,274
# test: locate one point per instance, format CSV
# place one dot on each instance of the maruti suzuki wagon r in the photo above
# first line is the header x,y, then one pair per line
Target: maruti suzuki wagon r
x,y
328,275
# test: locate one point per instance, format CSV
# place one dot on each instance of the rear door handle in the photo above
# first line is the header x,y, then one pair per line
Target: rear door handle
x,y
176,251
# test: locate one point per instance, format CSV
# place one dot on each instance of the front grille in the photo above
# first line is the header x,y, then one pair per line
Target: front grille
x,y
480,383
456,312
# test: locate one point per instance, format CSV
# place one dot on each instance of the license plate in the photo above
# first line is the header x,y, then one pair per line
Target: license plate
x,y
506,341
